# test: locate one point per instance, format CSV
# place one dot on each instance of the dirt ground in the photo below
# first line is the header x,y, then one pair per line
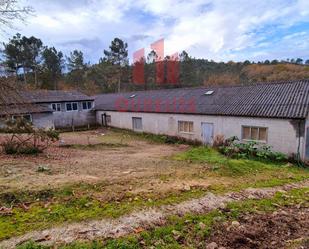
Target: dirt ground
x,y
285,228
288,225
124,162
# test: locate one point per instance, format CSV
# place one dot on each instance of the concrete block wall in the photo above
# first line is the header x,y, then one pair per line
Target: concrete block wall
x,y
74,118
39,120
282,133
43,120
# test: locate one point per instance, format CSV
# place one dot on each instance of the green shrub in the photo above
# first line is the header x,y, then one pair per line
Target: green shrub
x,y
168,139
32,245
12,147
29,150
235,149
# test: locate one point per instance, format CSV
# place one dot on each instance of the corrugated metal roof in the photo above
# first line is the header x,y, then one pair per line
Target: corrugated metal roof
x,y
289,99
44,96
21,102
24,109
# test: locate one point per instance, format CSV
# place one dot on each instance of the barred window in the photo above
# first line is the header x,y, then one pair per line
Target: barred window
x,y
185,126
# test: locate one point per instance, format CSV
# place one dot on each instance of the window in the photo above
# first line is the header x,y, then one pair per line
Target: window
x,y
56,107
254,133
72,106
108,119
75,106
87,105
137,124
185,126
27,117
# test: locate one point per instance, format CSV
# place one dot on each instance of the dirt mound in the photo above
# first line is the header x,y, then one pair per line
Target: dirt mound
x,y
285,228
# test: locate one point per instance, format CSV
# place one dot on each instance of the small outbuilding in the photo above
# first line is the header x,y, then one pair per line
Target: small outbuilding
x,y
50,109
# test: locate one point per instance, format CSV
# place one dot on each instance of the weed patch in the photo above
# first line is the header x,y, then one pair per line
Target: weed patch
x,y
94,146
40,216
157,138
229,167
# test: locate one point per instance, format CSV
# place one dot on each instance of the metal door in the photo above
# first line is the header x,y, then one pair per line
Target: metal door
x,y
137,124
207,133
103,117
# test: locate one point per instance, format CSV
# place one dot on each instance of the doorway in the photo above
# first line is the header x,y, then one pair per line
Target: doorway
x,y
307,144
207,133
103,117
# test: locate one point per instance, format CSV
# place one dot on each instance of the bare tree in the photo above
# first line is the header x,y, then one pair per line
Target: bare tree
x,y
11,11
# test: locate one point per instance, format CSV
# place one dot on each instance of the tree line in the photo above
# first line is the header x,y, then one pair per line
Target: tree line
x,y
34,65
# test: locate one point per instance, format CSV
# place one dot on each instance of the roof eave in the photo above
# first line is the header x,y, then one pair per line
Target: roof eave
x,y
206,114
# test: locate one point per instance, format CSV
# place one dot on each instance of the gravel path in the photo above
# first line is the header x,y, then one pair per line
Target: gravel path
x,y
113,228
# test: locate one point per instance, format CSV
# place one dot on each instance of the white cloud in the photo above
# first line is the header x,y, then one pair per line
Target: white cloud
x,y
214,29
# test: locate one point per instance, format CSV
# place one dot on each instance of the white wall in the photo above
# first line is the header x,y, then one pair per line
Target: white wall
x,y
305,136
281,132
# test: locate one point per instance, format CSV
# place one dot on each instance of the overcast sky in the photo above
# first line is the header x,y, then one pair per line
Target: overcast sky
x,y
220,30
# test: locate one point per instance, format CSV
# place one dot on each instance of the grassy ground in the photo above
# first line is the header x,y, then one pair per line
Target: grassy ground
x,y
191,230
252,173
42,215
166,174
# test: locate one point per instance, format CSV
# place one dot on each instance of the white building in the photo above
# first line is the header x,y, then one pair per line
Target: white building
x,y
275,114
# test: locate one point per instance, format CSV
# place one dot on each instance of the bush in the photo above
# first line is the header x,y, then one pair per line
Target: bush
x,y
25,139
235,149
29,150
168,139
180,140
10,147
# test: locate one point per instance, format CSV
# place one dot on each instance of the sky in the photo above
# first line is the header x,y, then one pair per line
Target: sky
x,y
219,30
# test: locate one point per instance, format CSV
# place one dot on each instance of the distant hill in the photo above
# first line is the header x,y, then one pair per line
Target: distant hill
x,y
202,72
259,73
